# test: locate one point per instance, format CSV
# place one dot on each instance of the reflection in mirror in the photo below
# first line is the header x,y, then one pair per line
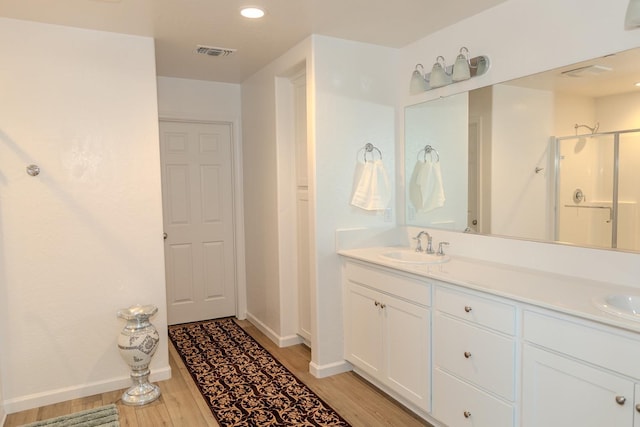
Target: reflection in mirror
x,y
525,150
441,125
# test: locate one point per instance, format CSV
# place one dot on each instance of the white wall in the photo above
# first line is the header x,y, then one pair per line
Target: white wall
x,y
198,100
353,105
442,124
261,168
619,112
84,238
349,103
522,122
523,37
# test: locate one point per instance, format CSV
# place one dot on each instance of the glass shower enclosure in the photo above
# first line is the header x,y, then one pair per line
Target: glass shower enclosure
x,y
598,189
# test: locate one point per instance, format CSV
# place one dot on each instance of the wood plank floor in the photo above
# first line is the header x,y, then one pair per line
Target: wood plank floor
x,y
182,405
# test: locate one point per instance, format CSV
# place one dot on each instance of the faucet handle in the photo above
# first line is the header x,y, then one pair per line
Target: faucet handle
x,y
440,249
418,244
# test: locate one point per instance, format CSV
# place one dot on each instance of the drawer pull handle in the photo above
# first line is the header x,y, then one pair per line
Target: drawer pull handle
x,y
620,400
376,303
467,354
467,414
467,308
382,305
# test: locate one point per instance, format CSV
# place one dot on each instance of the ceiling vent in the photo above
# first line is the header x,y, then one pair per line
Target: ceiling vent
x,y
214,51
589,70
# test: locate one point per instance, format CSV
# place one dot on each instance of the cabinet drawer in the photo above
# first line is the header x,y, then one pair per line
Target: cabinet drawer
x,y
490,313
408,288
459,404
585,341
477,355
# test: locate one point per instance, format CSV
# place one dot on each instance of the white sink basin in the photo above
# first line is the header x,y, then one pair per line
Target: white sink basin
x,y
627,306
412,257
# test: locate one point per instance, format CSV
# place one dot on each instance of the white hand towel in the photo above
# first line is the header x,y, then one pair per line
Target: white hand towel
x,y
426,191
372,191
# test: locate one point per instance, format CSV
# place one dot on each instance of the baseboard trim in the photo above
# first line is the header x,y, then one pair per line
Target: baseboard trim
x,y
327,370
280,341
50,397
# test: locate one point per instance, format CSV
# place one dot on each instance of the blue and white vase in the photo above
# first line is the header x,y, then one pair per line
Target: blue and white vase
x,y
137,344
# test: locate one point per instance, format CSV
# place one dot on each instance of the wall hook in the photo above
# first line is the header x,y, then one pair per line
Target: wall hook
x,y
33,170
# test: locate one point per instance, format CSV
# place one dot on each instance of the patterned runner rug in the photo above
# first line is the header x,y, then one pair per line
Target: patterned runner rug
x,y
242,382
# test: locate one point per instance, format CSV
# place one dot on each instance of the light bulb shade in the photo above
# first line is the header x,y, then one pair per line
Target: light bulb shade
x,y
632,18
417,84
461,70
438,76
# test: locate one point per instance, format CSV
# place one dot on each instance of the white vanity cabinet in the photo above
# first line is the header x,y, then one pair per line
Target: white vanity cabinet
x,y
387,327
474,359
578,373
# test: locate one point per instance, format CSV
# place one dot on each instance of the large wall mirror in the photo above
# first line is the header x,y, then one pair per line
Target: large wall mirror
x,y
551,157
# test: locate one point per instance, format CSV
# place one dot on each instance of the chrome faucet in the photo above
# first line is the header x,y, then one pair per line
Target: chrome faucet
x,y
429,249
440,249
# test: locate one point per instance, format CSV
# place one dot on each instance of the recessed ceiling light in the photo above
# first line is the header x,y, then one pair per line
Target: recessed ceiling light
x,y
252,12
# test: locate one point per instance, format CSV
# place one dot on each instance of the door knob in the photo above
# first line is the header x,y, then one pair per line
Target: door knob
x,y
467,414
467,354
468,309
164,236
620,400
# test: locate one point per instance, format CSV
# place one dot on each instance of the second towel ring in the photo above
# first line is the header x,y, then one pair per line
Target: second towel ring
x,y
368,148
428,150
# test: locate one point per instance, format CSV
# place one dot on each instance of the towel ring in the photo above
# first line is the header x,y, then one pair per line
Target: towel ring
x,y
368,148
429,150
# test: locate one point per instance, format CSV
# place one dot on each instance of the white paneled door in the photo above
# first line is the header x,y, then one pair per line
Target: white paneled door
x,y
197,193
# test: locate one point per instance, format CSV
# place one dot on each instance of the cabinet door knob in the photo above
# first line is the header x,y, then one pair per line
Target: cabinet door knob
x,y
467,354
467,414
638,407
620,400
467,308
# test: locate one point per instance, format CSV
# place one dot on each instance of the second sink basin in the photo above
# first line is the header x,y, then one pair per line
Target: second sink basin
x,y
412,257
627,306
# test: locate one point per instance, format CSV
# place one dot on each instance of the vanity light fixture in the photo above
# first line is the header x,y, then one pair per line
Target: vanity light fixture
x,y
632,17
439,75
418,83
443,75
252,12
461,68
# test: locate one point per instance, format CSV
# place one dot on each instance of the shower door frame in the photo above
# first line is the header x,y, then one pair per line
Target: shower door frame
x,y
616,167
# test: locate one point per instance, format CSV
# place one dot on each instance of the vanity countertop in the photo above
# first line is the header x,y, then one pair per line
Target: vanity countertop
x,y
566,294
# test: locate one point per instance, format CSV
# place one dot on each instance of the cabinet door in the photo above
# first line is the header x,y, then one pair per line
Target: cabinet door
x,y
560,392
363,329
406,334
